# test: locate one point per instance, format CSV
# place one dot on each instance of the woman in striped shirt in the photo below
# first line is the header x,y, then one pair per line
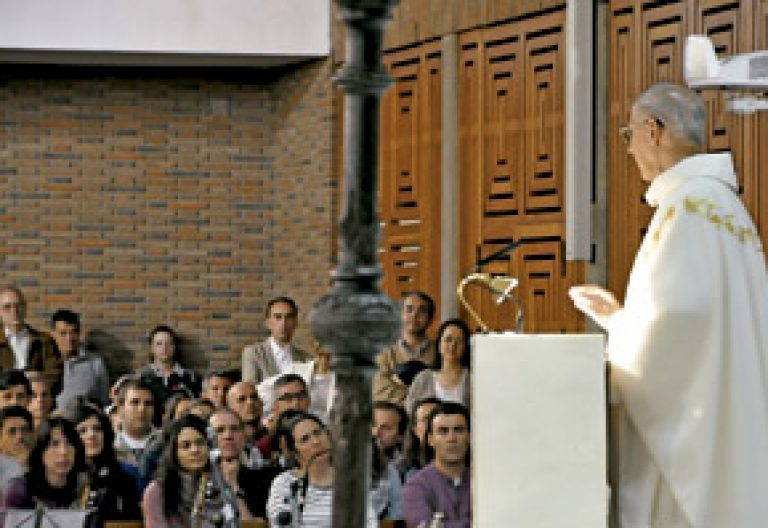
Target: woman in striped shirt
x,y
306,492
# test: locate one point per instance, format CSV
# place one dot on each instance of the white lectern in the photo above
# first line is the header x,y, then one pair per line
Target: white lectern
x,y
539,431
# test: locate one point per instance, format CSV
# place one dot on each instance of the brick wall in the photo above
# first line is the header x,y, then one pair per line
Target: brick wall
x,y
186,197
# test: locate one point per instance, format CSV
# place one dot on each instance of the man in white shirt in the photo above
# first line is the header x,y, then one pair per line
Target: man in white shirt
x,y
277,353
689,347
21,346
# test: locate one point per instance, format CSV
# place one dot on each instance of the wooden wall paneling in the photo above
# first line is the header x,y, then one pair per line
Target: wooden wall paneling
x,y
544,277
522,97
429,174
729,25
760,42
624,203
503,165
664,28
411,172
544,111
471,152
399,201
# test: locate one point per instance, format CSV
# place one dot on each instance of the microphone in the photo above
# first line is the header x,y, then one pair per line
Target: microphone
x,y
507,293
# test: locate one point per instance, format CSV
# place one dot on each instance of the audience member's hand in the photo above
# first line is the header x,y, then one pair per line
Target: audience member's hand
x,y
596,302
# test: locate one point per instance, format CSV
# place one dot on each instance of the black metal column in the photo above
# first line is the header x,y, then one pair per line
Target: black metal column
x,y
355,320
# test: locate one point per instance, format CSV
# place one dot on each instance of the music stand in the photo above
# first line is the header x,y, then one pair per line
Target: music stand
x,y
42,517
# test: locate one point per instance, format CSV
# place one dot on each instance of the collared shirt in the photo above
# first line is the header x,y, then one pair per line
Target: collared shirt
x,y
19,343
429,491
177,369
283,356
420,351
136,447
84,375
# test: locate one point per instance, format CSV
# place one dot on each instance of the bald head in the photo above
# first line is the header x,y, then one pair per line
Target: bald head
x,y
244,400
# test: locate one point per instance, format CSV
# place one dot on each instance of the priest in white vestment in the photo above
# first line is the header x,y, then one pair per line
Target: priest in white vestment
x,y
689,348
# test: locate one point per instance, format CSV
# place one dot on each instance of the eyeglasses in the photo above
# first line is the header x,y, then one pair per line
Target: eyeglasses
x,y
625,132
288,396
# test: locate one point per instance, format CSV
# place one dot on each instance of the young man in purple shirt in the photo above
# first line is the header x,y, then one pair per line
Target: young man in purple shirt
x,y
442,488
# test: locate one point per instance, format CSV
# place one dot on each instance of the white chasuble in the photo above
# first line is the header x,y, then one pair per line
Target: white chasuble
x,y
689,355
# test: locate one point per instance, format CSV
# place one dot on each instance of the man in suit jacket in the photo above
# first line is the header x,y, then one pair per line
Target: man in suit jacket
x,y
276,354
23,347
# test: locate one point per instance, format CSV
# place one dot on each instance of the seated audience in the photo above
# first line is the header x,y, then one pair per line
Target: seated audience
x,y
137,408
55,463
281,458
251,486
176,406
16,438
21,346
449,380
414,449
216,383
309,443
177,497
414,351
290,393
389,424
201,407
84,373
41,402
443,486
14,388
113,492
244,400
276,354
167,376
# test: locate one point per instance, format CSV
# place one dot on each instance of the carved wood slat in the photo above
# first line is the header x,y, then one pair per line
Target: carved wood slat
x,y
511,141
652,35
410,172
624,229
544,110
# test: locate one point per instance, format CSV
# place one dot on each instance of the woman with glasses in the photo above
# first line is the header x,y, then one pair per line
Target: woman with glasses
x,y
449,380
177,497
113,492
307,490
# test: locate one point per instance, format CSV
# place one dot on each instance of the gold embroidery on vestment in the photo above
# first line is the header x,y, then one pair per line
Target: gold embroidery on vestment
x,y
707,209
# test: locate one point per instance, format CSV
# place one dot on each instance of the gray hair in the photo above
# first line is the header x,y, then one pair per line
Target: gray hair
x,y
680,110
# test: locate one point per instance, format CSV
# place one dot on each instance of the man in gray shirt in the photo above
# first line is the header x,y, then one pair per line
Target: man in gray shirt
x,y
84,373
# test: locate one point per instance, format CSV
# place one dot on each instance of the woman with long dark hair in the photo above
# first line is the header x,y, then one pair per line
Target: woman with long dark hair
x,y
55,464
309,443
449,380
114,493
177,497
414,452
